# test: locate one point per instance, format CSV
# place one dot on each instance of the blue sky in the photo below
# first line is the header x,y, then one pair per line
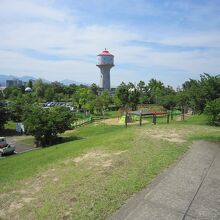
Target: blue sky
x,y
170,40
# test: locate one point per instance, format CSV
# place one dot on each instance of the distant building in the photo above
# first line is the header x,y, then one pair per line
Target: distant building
x,y
14,82
9,83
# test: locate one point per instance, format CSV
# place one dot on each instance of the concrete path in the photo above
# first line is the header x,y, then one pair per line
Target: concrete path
x,y
188,190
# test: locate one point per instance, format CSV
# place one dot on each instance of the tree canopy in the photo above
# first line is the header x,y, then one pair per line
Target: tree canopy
x,y
45,123
200,95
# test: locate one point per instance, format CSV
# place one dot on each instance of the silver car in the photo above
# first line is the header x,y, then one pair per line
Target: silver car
x,y
5,148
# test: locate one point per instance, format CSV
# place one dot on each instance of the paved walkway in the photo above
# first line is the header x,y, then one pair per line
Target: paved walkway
x,y
189,190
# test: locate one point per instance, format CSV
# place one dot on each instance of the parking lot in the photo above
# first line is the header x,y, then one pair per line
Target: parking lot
x,y
20,146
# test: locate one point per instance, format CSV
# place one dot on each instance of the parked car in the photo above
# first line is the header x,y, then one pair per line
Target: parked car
x,y
5,148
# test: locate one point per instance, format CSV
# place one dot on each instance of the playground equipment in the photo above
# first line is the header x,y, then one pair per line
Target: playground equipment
x,y
153,111
142,113
126,116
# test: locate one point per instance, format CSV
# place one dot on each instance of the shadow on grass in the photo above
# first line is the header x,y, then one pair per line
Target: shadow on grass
x,y
61,140
8,132
71,138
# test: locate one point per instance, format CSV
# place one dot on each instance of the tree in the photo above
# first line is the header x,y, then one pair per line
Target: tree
x,y
13,92
102,102
39,89
182,101
143,89
155,88
4,115
95,89
169,101
202,91
16,109
213,110
168,98
83,98
18,106
99,104
122,95
70,90
134,96
49,94
30,84
45,123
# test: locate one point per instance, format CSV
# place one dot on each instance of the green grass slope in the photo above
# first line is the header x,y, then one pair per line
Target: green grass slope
x,y
92,175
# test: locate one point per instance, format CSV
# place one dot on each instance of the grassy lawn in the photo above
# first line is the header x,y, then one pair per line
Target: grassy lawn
x,y
9,129
93,174
10,125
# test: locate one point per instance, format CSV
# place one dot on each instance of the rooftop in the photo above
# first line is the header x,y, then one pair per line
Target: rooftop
x,y
105,53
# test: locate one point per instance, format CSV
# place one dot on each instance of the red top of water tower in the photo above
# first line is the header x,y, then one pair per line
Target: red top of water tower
x,y
105,53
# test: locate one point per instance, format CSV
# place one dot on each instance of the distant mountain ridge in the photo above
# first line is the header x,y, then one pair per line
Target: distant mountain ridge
x,y
26,78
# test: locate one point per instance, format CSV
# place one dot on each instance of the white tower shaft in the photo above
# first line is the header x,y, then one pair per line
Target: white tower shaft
x,y
105,77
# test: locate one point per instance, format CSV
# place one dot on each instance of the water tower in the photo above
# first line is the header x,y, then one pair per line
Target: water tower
x,y
105,61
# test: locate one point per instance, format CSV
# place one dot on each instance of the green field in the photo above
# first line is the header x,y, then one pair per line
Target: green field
x,y
93,173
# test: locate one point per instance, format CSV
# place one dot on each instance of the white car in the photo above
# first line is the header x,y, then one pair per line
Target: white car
x,y
6,148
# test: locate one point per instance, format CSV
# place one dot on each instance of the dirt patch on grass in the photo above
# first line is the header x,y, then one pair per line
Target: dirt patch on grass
x,y
14,206
91,155
120,152
170,135
17,199
30,193
110,121
98,158
115,121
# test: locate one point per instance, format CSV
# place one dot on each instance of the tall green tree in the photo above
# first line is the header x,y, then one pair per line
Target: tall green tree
x,y
46,123
122,95
133,97
19,105
4,114
30,84
143,90
70,90
213,110
168,98
155,88
39,89
95,89
202,91
12,92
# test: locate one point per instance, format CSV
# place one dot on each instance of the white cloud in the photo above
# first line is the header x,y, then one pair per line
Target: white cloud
x,y
49,30
205,39
25,9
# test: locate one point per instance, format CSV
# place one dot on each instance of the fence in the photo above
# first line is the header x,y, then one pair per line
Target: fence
x,y
81,122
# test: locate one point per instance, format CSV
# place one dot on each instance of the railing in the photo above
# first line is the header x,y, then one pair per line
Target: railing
x,y
81,122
